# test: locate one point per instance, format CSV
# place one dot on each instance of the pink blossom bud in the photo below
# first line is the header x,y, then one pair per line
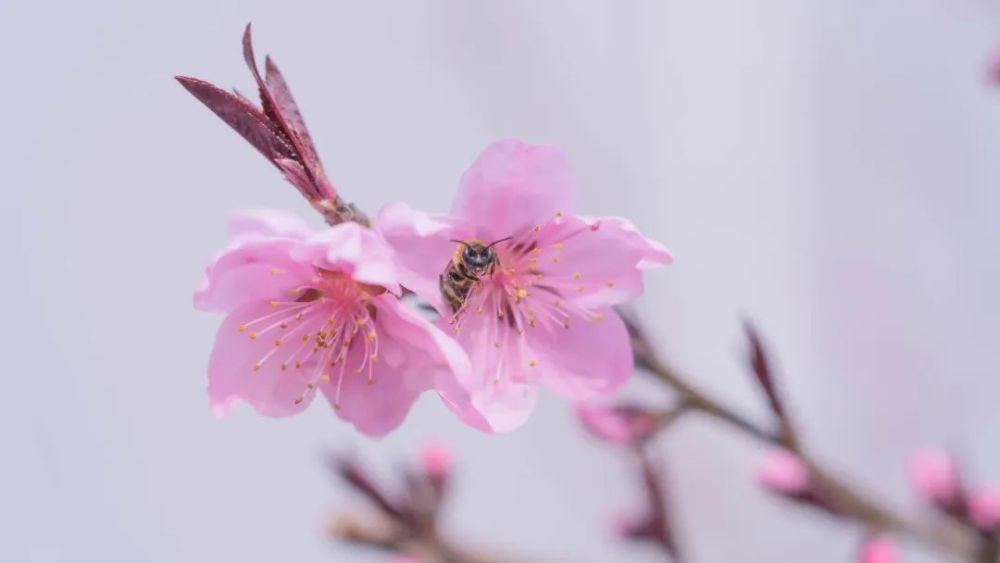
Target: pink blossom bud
x,y
622,424
935,477
437,458
630,525
984,508
879,549
784,473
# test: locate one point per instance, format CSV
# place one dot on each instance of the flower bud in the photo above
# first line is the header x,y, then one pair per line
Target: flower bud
x,y
618,424
934,475
437,459
879,549
984,509
784,473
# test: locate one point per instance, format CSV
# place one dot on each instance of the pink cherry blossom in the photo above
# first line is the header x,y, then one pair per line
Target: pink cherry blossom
x,y
543,315
879,549
984,508
315,312
935,476
784,473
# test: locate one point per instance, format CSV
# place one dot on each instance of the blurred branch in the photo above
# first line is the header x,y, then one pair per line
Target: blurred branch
x,y
842,497
407,523
392,537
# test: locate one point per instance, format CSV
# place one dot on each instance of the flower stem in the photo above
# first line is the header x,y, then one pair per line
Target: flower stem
x,y
846,499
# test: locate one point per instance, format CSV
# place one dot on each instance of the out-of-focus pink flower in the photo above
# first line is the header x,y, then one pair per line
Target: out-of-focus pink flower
x,y
312,312
984,508
935,476
879,549
405,559
994,68
542,316
437,458
619,424
629,525
783,472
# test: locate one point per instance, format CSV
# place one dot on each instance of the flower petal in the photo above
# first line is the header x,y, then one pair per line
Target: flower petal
x,y
432,356
254,270
414,356
250,369
505,405
513,186
605,257
376,406
269,223
586,360
423,247
357,251
501,387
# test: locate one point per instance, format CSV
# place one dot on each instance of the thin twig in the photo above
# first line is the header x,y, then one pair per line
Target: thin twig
x,y
848,500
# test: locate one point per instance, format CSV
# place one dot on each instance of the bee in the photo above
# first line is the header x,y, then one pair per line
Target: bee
x,y
472,262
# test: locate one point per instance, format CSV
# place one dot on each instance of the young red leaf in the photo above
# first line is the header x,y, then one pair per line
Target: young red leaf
x,y
242,116
286,105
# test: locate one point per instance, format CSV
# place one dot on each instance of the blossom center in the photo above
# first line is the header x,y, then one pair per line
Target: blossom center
x,y
322,326
533,286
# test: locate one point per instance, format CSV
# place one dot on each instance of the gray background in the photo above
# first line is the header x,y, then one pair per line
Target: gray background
x,y
828,168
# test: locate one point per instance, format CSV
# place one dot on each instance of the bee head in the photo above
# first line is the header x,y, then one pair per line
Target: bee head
x,y
478,257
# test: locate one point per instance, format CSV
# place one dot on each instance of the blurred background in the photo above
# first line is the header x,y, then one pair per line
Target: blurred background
x,y
828,169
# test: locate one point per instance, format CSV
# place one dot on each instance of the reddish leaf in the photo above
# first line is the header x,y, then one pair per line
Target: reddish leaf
x,y
275,111
295,174
761,366
242,116
290,111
